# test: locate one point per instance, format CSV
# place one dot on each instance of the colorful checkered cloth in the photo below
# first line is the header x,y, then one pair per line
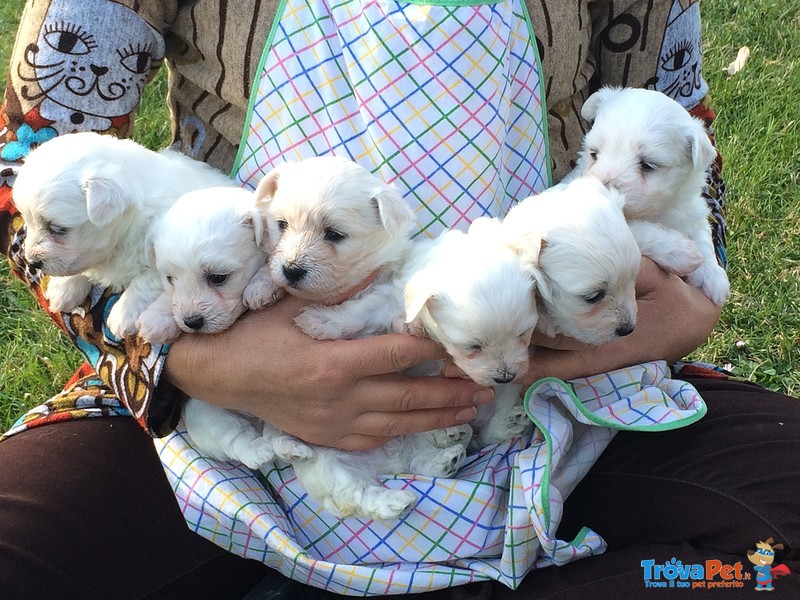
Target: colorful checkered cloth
x,y
496,520
445,101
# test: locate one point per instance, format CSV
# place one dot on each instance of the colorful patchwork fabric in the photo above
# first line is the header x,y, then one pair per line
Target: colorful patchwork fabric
x,y
445,101
497,520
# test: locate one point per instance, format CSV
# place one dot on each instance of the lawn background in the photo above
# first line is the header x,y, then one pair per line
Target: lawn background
x,y
757,132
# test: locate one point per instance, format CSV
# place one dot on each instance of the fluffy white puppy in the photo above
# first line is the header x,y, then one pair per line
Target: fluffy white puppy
x,y
88,201
471,293
333,225
648,146
207,251
585,260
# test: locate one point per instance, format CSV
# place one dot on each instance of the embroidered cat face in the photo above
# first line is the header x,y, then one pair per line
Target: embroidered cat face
x,y
678,72
89,64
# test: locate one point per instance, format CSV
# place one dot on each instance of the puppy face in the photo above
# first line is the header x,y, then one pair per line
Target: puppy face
x,y
331,224
71,201
207,249
475,298
647,146
584,259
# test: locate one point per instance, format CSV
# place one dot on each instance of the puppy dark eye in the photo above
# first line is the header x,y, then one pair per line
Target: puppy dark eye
x,y
475,348
332,235
54,229
595,298
593,154
169,279
217,278
282,225
647,167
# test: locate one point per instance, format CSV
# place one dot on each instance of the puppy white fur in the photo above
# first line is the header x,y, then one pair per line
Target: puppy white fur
x,y
88,201
333,225
472,294
583,256
207,251
648,146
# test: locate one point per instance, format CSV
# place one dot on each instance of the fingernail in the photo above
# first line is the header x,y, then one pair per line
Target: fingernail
x,y
483,396
466,415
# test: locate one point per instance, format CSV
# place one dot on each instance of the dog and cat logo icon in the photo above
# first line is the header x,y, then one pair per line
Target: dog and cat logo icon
x,y
714,574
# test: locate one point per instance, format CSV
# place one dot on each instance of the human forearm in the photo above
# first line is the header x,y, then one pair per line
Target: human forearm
x,y
343,393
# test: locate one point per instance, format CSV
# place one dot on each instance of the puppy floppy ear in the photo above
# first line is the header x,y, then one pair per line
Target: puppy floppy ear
x,y
267,187
702,150
593,103
418,291
529,249
105,200
252,219
396,216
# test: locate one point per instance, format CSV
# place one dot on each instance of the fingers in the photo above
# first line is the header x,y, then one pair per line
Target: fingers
x,y
386,425
390,353
400,394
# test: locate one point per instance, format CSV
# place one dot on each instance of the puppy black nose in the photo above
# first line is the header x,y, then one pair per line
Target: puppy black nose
x,y
195,322
505,377
293,272
624,330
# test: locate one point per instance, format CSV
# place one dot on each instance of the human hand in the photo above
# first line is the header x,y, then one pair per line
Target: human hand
x,y
673,319
343,393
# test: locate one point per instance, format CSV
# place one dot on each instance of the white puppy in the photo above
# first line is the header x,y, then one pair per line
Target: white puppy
x,y
648,146
471,293
88,201
585,260
207,251
333,225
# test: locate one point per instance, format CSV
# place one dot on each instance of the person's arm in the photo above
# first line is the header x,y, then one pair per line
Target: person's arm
x,y
81,65
343,393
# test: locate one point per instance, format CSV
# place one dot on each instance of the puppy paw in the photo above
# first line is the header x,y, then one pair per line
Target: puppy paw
x,y
65,294
712,280
392,504
316,321
121,320
260,292
157,327
256,453
506,425
292,450
376,502
450,436
447,462
680,259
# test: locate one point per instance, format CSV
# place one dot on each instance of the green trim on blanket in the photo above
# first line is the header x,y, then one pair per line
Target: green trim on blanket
x,y
677,424
237,163
542,92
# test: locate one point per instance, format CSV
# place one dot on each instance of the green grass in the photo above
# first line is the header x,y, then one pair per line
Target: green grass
x,y
756,128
